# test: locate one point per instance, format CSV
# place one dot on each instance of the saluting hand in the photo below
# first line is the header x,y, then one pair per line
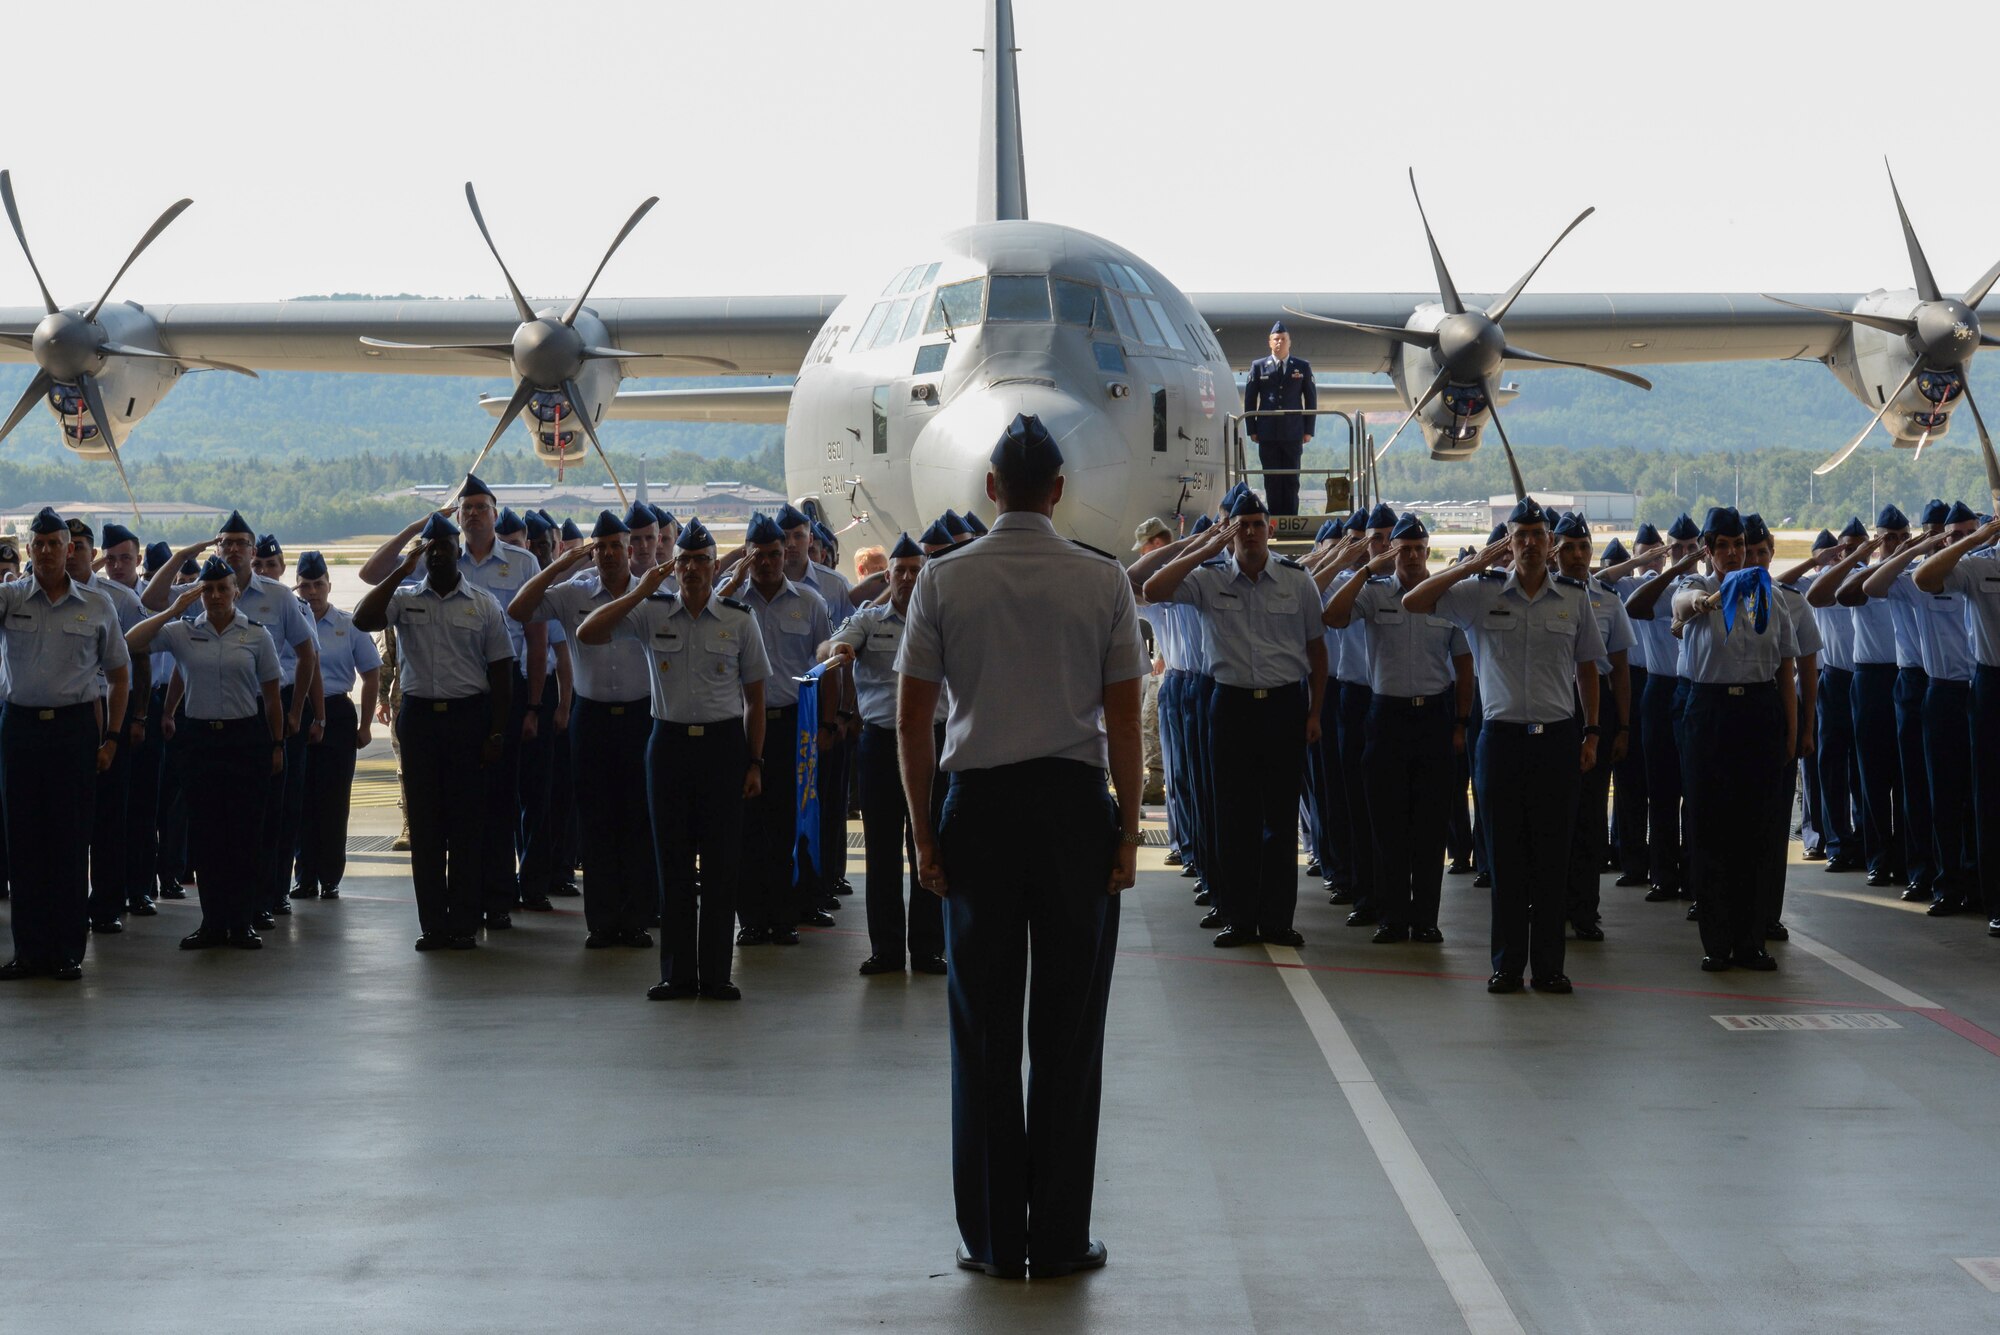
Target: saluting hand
x,y
575,555
650,582
1493,552
185,600
1383,564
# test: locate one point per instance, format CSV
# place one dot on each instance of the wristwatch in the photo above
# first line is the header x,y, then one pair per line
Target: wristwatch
x,y
1134,840
1592,730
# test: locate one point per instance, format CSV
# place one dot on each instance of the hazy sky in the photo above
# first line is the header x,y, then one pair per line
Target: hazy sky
x,y
814,145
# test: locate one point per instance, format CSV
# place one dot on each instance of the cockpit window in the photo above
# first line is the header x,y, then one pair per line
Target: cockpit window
x,y
1019,298
1077,303
1138,280
1166,326
915,324
930,274
957,306
891,332
1142,320
912,280
895,285
871,326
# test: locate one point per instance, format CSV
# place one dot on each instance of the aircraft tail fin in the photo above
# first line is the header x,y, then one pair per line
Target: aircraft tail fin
x,y
1003,170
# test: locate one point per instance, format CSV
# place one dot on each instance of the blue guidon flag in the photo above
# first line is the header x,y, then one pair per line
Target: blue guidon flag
x,y
805,831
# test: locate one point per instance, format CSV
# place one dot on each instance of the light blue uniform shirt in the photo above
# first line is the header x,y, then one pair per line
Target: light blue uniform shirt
x,y
1188,649
1740,656
503,572
1874,632
1259,630
55,651
1525,649
1165,621
1909,646
1659,651
1805,626
1836,631
613,673
1346,648
1409,653
1943,646
277,609
1026,629
1613,625
876,636
344,652
130,612
1977,579
223,670
794,623
832,588
446,641
698,665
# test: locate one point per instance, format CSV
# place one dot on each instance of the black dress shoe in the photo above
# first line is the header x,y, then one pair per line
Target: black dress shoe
x,y
1879,878
1843,864
1210,920
168,890
1363,918
461,943
1943,908
1916,895
67,971
1504,982
1558,984
843,886
998,1271
875,964
537,904
1661,895
202,938
1173,858
672,991
819,918
1993,927
1190,870
1429,936
433,941
1776,931
1235,936
1483,881
784,936
303,892
830,902
722,992
14,971
264,920
498,922
142,908
1340,894
1588,931
245,938
635,936
1093,1258
754,936
1283,936
109,927
1388,935
1459,867
281,909
329,892
600,940
1754,959
1630,879
1694,911
1203,898
1714,963
1814,854
931,964
566,890
1312,868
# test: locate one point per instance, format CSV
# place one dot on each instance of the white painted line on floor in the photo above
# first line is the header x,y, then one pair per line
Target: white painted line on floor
x,y
1896,992
1458,1262
1750,1024
1985,1269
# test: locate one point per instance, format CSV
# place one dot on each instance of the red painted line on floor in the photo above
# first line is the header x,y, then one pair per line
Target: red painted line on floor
x,y
1964,1028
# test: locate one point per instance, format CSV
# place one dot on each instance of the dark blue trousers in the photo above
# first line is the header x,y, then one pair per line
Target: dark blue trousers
x,y
1873,698
1407,768
533,823
1281,493
1834,764
1774,853
607,748
1948,733
1258,749
174,862
694,784
1198,742
1028,925
1913,784
767,889
284,806
320,855
835,763
447,794
1587,838
142,804
1354,699
1528,781
887,844
50,759
1665,847
1986,781
231,864
1173,706
1628,786
109,835
1736,743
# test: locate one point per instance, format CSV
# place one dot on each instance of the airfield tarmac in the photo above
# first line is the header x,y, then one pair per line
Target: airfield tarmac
x,y
338,1134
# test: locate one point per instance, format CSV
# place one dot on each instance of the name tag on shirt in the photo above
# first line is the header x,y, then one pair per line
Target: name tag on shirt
x,y
416,615
1498,618
1390,616
883,641
667,641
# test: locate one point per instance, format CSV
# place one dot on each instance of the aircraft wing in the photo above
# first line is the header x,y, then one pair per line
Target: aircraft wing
x,y
762,404
1609,328
736,335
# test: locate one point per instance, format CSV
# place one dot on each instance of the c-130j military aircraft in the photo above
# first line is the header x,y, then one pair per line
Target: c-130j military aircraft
x,y
901,391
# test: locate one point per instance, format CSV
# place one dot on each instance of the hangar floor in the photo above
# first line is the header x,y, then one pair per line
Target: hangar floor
x,y
338,1134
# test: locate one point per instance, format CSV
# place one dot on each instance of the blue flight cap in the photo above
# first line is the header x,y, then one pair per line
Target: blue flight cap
x,y
1527,510
1381,517
1327,531
954,525
1647,536
1614,552
157,555
1755,530
437,526
695,537
976,524
1278,327
935,536
267,545
547,518
1683,529
1203,524
509,522
48,521
1229,497
311,565
1498,532
1855,529
763,530
1722,522
190,567
1409,526
570,532
539,526
790,517
1572,525
214,569
80,531
115,533
638,516
1934,512
1960,512
607,524
664,516
904,548
1027,447
1356,522
235,524
474,487
1891,518
824,536
1825,540
1249,503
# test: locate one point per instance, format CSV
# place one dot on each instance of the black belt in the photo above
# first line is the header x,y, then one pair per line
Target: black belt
x,y
779,711
1437,701
431,705
615,708
1263,692
53,713
1736,688
1525,729
716,728
226,726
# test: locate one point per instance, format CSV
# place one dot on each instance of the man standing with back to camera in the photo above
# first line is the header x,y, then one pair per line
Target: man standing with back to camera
x,y
1026,747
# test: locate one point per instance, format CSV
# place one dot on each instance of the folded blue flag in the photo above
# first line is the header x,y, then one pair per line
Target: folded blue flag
x,y
1753,583
806,854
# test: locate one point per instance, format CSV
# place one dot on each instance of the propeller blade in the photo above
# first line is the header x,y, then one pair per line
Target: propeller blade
x,y
1447,291
25,342
1922,441
497,351
1977,292
715,364
95,402
1506,446
160,223
521,306
127,350
1840,457
37,389
1514,354
14,216
1499,312
582,412
1437,384
1927,287
1888,324
1989,341
1422,338
569,316
1985,449
522,393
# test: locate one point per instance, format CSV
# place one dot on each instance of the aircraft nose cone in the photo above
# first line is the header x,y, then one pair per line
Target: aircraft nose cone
x,y
547,352
951,458
65,345
1948,329
1471,345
